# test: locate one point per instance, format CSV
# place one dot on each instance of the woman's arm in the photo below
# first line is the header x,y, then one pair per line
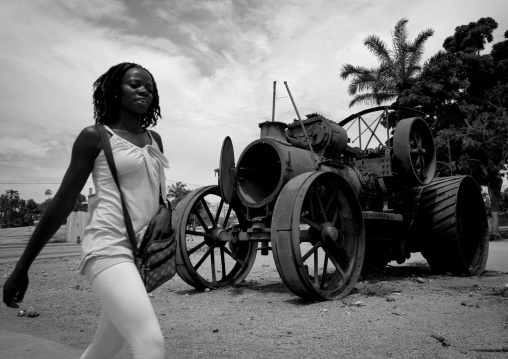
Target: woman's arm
x,y
84,151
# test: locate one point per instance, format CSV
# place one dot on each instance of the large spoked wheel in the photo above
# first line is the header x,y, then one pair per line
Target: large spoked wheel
x,y
413,147
318,236
207,256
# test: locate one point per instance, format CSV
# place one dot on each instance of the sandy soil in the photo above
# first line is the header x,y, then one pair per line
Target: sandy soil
x,y
399,312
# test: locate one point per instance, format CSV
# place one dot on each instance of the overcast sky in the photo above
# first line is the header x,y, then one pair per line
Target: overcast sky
x,y
214,63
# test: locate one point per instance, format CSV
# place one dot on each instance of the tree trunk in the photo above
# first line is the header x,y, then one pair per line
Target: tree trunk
x,y
495,197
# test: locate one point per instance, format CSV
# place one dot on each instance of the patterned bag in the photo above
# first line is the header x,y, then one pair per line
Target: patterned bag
x,y
155,257
155,260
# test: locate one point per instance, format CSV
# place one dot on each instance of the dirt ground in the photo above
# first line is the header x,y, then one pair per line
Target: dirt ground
x,y
399,312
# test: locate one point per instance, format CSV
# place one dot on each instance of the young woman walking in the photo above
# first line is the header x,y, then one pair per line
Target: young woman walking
x,y
126,101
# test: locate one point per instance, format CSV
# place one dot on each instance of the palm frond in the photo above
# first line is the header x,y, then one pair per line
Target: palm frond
x,y
369,99
350,70
399,36
378,48
360,84
417,46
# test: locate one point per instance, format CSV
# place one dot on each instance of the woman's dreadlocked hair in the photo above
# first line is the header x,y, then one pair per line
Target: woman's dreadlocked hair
x,y
106,104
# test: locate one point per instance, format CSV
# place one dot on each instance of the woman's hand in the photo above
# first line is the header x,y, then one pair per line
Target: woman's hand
x,y
15,288
160,225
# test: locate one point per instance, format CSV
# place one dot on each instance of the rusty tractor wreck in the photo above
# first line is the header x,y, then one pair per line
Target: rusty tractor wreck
x,y
326,209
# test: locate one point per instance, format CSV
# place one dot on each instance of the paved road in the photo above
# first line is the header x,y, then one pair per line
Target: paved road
x,y
12,252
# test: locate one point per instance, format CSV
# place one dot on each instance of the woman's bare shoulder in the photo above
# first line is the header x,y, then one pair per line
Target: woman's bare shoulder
x,y
89,140
92,130
157,138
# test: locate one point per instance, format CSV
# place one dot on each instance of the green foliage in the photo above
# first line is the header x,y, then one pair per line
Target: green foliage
x,y
41,207
80,204
16,212
176,192
503,203
471,37
397,68
466,95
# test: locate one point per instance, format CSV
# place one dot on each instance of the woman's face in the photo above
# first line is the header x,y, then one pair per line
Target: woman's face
x,y
136,91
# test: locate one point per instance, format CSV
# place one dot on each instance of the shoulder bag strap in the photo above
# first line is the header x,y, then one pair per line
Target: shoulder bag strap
x,y
106,146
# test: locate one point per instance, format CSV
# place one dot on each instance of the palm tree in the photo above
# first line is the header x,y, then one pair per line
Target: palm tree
x,y
396,71
177,191
48,192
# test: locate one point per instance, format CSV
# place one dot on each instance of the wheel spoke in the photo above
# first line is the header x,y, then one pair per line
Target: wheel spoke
x,y
312,250
238,260
200,219
336,215
320,203
226,219
200,234
316,267
212,263
223,262
209,213
337,266
332,198
198,264
325,269
311,205
194,249
219,209
311,223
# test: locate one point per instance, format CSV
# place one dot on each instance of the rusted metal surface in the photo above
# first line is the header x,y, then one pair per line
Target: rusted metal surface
x,y
326,208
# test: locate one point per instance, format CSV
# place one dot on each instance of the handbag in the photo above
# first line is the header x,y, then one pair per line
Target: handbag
x,y
154,257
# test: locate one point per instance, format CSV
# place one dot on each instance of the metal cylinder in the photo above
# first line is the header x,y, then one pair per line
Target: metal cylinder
x,y
265,166
450,227
275,130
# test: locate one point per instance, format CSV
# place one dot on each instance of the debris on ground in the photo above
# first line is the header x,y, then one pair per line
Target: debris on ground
x,y
441,339
501,291
31,312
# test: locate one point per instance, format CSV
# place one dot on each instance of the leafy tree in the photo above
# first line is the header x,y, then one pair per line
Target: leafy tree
x,y
466,95
10,207
12,194
397,68
80,204
41,207
4,207
30,212
176,192
503,203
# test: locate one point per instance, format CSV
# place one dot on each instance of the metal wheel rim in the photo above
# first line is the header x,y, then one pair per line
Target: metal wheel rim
x,y
229,264
318,270
413,146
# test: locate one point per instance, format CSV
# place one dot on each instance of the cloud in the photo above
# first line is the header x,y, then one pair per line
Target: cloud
x,y
214,63
96,10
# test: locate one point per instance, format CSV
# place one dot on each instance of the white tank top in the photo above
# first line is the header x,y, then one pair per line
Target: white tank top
x,y
141,174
